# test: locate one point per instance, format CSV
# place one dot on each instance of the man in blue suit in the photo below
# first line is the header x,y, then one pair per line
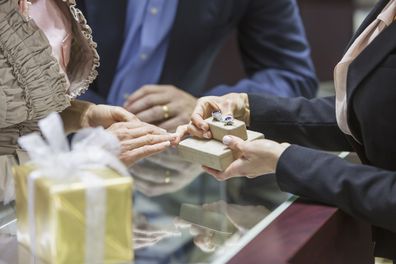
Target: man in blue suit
x,y
156,54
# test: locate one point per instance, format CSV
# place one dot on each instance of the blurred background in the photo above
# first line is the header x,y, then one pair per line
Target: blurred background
x,y
328,39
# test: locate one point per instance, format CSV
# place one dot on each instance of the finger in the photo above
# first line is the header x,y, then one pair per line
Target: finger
x,y
125,125
236,169
215,173
147,102
181,133
145,140
119,114
202,111
122,133
171,124
234,143
198,121
143,152
194,131
129,130
145,129
141,92
154,114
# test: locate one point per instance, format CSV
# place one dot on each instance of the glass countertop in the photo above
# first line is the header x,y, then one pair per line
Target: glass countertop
x,y
199,220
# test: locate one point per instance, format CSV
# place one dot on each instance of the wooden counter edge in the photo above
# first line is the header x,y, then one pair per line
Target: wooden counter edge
x,y
310,233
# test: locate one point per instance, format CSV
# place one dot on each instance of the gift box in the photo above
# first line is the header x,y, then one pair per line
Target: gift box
x,y
74,206
209,152
213,153
220,129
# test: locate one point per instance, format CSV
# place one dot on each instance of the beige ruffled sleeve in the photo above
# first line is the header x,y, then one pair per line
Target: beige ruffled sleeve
x,y
31,85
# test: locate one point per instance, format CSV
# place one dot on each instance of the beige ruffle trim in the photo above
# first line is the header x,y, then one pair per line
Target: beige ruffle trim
x,y
87,54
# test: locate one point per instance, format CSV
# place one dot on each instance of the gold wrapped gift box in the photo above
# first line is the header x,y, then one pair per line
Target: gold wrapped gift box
x,y
59,213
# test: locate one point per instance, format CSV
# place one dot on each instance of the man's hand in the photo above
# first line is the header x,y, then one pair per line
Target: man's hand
x,y
138,139
163,105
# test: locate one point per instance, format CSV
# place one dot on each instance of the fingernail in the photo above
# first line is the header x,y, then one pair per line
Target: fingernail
x,y
227,140
206,135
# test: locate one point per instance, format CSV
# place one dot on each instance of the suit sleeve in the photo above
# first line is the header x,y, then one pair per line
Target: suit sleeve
x,y
307,122
363,191
274,51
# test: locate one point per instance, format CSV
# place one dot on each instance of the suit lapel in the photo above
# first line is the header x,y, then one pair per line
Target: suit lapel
x,y
370,57
107,20
367,21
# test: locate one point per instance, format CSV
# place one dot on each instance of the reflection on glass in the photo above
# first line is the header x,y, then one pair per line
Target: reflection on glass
x,y
163,173
213,224
195,220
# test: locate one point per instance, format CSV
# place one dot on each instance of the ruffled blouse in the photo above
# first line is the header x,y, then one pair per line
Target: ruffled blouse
x,y
55,21
38,56
32,82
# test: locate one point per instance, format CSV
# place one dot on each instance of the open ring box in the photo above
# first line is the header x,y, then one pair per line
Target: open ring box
x,y
213,153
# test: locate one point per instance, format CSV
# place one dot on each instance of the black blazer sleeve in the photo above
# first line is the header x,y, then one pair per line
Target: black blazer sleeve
x,y
308,122
363,191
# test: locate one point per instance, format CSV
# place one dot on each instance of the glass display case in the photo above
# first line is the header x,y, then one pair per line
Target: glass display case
x,y
199,221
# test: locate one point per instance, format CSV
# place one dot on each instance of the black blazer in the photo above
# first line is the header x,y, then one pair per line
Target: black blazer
x,y
270,34
365,191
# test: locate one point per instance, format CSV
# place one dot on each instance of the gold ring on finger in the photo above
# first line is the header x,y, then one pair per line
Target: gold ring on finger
x,y
165,109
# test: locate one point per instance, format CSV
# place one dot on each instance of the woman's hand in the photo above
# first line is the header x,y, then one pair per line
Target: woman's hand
x,y
254,158
105,116
234,104
140,140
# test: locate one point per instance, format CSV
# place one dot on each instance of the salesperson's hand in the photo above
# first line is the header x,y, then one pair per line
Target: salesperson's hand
x,y
162,105
253,158
236,104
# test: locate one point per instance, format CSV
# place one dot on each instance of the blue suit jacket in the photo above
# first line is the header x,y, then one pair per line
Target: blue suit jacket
x,y
271,38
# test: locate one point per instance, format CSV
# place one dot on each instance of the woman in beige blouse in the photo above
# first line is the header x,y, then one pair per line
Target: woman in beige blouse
x,y
47,58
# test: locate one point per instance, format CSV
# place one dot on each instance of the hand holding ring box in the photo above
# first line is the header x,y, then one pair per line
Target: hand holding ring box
x,y
213,153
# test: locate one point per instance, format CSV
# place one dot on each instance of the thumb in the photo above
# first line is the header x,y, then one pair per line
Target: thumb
x,y
234,143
